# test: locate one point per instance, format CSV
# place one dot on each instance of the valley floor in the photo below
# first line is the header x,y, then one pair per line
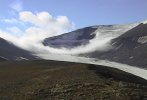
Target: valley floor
x,y
54,80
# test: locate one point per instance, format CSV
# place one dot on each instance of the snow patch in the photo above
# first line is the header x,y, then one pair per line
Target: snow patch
x,y
142,40
3,58
131,57
21,58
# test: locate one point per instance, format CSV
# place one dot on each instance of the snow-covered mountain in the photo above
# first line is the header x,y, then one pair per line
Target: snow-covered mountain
x,y
83,36
128,50
8,51
129,43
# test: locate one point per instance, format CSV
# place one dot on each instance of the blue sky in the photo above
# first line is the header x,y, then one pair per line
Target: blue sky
x,y
81,12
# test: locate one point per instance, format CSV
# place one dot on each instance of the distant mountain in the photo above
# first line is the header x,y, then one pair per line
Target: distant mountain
x,y
10,52
83,36
129,45
71,39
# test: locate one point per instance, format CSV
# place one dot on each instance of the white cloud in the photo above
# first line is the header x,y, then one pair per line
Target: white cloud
x,y
44,19
16,5
43,25
39,19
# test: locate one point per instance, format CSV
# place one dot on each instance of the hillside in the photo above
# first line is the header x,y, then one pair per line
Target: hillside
x,y
11,52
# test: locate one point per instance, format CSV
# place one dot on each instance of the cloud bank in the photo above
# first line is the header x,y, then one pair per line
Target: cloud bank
x,y
38,27
30,29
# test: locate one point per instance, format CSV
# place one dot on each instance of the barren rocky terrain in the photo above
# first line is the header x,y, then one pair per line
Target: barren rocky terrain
x,y
53,80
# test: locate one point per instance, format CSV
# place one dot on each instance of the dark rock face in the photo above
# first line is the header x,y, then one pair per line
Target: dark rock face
x,y
127,49
71,39
11,52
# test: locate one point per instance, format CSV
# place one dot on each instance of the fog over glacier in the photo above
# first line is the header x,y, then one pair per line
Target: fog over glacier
x,y
41,25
